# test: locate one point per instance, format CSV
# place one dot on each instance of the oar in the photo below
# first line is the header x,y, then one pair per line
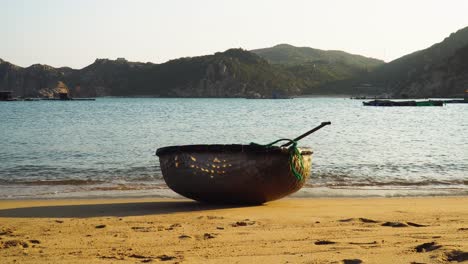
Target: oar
x,y
307,133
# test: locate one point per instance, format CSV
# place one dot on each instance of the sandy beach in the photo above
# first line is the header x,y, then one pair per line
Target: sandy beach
x,y
351,230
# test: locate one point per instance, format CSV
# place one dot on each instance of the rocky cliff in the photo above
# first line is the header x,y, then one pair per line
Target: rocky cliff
x,y
283,70
438,71
446,78
233,73
31,81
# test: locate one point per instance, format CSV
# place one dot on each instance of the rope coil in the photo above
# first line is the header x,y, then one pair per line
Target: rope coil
x,y
295,156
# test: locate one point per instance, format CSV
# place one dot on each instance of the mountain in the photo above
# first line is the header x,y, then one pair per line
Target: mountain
x,y
438,71
291,55
315,70
233,73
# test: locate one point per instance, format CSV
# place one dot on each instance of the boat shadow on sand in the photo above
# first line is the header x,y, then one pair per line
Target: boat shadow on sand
x,y
111,209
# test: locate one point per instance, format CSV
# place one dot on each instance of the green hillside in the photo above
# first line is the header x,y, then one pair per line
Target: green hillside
x,y
233,73
316,71
284,70
291,55
433,72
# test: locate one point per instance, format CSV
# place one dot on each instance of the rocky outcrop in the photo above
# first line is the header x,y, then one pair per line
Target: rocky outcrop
x,y
234,73
31,81
438,71
447,78
280,71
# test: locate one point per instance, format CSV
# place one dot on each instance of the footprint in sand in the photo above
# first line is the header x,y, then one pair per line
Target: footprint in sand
x,y
211,217
208,236
144,258
245,222
6,232
416,225
165,257
352,261
367,220
184,237
34,241
173,226
324,242
363,243
457,255
141,229
394,224
361,219
426,247
14,243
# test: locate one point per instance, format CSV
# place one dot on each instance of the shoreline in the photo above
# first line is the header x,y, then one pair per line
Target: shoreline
x,y
294,230
54,192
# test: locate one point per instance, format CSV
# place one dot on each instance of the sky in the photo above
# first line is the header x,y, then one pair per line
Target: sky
x,y
75,32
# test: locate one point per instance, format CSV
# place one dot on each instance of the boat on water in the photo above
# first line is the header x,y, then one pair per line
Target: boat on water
x,y
464,100
236,174
403,103
456,101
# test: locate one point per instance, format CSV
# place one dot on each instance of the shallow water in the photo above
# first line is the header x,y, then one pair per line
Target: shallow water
x,y
106,147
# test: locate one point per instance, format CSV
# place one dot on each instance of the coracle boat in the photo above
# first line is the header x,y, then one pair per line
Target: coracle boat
x,y
236,174
232,173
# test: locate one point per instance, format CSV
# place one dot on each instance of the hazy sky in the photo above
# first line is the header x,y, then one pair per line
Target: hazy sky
x,y
75,33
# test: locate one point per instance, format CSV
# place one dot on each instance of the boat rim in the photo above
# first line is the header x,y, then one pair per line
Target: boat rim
x,y
229,148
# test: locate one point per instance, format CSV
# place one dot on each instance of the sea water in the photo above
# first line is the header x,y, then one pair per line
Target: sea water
x,y
107,147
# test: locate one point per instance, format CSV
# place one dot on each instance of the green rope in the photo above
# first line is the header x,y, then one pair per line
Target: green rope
x,y
293,152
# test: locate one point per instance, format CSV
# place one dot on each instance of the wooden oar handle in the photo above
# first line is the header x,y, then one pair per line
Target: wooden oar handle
x,y
308,133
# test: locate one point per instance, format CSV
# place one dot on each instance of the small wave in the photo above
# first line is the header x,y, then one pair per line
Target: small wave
x,y
144,178
126,187
46,175
53,182
334,180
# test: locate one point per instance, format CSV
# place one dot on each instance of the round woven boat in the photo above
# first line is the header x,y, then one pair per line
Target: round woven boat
x,y
241,174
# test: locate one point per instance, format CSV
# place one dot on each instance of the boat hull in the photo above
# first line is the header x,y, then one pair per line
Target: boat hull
x,y
403,103
240,174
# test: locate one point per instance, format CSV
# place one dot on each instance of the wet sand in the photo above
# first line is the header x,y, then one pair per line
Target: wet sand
x,y
349,230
